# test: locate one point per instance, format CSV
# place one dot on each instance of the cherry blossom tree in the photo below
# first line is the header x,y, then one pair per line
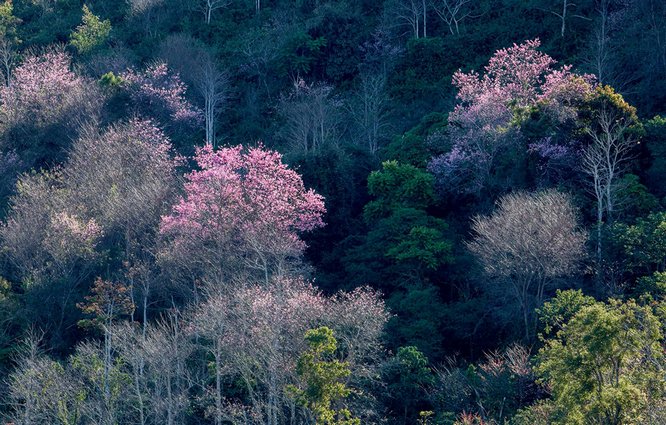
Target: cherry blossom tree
x,y
159,93
44,89
484,127
243,210
46,106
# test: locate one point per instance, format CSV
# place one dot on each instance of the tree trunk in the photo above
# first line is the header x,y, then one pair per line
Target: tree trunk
x,y
425,22
218,384
564,16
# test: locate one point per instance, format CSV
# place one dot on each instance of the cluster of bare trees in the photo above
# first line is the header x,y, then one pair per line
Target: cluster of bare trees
x,y
159,373
113,190
413,14
312,115
316,119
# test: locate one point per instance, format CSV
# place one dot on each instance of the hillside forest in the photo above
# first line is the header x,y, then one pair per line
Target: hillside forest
x,y
332,212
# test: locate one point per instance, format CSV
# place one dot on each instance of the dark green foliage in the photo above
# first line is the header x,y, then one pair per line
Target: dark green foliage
x,y
644,244
410,380
300,53
655,140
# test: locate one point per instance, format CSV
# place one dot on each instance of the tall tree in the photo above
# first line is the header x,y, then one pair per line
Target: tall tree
x,y
527,243
212,85
323,378
606,158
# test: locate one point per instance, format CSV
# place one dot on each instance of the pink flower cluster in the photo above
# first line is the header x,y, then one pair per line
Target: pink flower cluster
x,y
43,88
162,91
250,193
485,122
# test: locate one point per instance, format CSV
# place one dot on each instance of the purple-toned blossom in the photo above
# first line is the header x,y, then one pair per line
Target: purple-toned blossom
x,y
486,121
45,91
161,93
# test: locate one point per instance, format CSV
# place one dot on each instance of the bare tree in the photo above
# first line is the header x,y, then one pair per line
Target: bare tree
x,y
156,360
453,12
563,14
254,333
212,84
312,117
605,160
197,68
8,56
51,246
527,243
601,42
31,385
209,6
149,12
260,47
411,14
369,111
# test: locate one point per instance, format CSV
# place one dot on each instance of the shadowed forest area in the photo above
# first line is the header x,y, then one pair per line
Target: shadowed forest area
x,y
333,212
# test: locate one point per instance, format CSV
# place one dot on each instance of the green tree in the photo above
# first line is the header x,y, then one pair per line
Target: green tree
x,y
403,252
91,34
605,365
323,376
557,312
655,142
412,238
643,243
410,377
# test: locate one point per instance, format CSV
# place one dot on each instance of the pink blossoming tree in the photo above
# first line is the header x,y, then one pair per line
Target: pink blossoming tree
x,y
244,209
45,106
485,125
159,93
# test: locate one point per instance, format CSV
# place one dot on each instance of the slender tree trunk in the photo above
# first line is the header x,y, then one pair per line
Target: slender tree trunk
x,y
565,5
425,22
218,384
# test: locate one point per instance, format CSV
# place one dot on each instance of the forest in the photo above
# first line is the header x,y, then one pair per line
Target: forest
x,y
332,212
